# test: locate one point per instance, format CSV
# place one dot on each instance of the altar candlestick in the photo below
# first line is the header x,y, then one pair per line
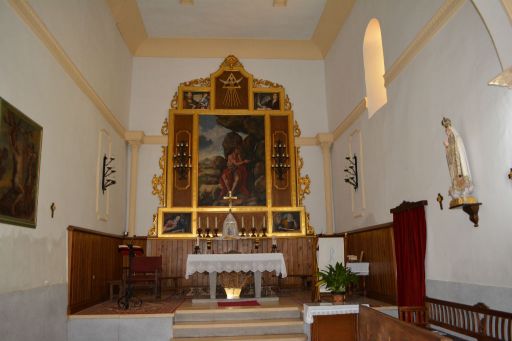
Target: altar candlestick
x,y
263,221
197,241
274,241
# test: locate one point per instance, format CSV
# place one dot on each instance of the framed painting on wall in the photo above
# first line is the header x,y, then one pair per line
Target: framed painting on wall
x,y
266,101
289,221
231,159
20,154
196,100
176,222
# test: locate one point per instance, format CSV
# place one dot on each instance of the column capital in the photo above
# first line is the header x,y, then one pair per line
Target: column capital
x,y
325,139
134,137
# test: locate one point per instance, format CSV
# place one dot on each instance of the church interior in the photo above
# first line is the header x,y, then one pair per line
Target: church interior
x,y
228,154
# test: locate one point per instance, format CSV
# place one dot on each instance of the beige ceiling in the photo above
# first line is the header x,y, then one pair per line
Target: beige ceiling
x,y
302,29
246,19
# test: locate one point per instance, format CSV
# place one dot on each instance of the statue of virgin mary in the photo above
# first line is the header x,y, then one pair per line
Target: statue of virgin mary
x,y
461,182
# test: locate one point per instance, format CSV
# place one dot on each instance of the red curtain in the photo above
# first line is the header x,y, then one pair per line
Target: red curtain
x,y
410,232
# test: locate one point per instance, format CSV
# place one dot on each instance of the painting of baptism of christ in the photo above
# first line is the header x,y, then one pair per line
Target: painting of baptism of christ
x,y
231,158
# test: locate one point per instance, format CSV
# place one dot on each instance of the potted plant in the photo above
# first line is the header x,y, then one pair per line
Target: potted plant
x,y
336,279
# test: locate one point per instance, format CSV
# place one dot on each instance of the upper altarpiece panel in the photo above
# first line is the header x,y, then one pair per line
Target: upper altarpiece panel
x,y
230,149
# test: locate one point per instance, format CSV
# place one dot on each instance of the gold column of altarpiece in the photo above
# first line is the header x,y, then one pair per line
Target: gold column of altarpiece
x,y
231,106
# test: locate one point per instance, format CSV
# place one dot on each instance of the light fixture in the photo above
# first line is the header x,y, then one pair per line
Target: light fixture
x,y
181,160
351,176
280,159
107,179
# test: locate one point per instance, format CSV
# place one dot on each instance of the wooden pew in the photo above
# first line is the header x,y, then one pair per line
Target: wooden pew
x,y
476,321
374,325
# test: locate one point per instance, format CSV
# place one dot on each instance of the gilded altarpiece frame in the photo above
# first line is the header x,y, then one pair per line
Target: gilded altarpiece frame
x,y
220,140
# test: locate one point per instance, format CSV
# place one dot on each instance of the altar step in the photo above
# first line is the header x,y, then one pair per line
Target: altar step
x,y
280,337
262,323
197,315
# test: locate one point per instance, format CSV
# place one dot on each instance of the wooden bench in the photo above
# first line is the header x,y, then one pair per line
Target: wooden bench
x,y
476,321
374,325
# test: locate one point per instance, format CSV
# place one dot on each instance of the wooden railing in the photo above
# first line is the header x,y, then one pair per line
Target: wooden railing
x,y
93,261
377,244
476,321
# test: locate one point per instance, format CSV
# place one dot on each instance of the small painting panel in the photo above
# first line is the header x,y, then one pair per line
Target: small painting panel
x,y
231,159
286,222
176,222
20,154
266,101
196,100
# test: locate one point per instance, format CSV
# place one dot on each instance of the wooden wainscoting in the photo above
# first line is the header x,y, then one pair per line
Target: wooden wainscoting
x,y
377,242
297,251
93,261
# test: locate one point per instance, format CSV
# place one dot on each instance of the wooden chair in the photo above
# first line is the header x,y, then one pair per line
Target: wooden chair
x,y
146,272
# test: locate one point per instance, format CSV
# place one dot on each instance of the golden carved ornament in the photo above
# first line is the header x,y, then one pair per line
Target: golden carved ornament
x,y
174,102
165,127
262,83
159,181
234,279
304,188
153,230
200,82
287,104
310,230
231,62
296,129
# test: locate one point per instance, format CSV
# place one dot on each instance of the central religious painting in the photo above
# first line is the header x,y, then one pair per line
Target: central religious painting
x,y
231,164
231,158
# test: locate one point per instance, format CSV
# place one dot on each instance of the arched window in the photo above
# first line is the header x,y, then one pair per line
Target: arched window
x,y
373,55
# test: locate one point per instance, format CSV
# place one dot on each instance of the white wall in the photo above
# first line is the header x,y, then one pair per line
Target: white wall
x,y
403,152
89,36
155,80
35,259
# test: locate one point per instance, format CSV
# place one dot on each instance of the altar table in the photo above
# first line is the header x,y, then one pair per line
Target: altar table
x,y
237,262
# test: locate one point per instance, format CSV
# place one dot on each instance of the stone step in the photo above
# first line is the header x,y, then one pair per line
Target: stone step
x,y
236,314
279,337
238,328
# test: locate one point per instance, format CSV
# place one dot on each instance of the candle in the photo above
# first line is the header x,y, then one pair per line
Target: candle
x,y
263,221
242,221
207,222
215,221
274,241
253,221
197,241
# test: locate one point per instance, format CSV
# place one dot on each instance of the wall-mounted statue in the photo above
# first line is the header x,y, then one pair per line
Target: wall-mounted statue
x,y
461,181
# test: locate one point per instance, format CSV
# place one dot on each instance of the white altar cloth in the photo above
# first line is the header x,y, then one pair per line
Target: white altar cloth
x,y
314,309
238,262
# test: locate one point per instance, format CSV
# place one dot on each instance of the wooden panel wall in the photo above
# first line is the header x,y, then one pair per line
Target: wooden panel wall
x,y
378,245
298,255
93,260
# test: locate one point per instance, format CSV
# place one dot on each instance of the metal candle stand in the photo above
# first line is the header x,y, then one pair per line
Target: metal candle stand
x,y
124,301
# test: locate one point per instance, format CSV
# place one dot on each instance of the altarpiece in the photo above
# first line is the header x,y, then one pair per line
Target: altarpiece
x,y
231,164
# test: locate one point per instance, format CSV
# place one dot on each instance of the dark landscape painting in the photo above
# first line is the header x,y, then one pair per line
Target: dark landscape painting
x,y
286,221
176,222
231,158
20,147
